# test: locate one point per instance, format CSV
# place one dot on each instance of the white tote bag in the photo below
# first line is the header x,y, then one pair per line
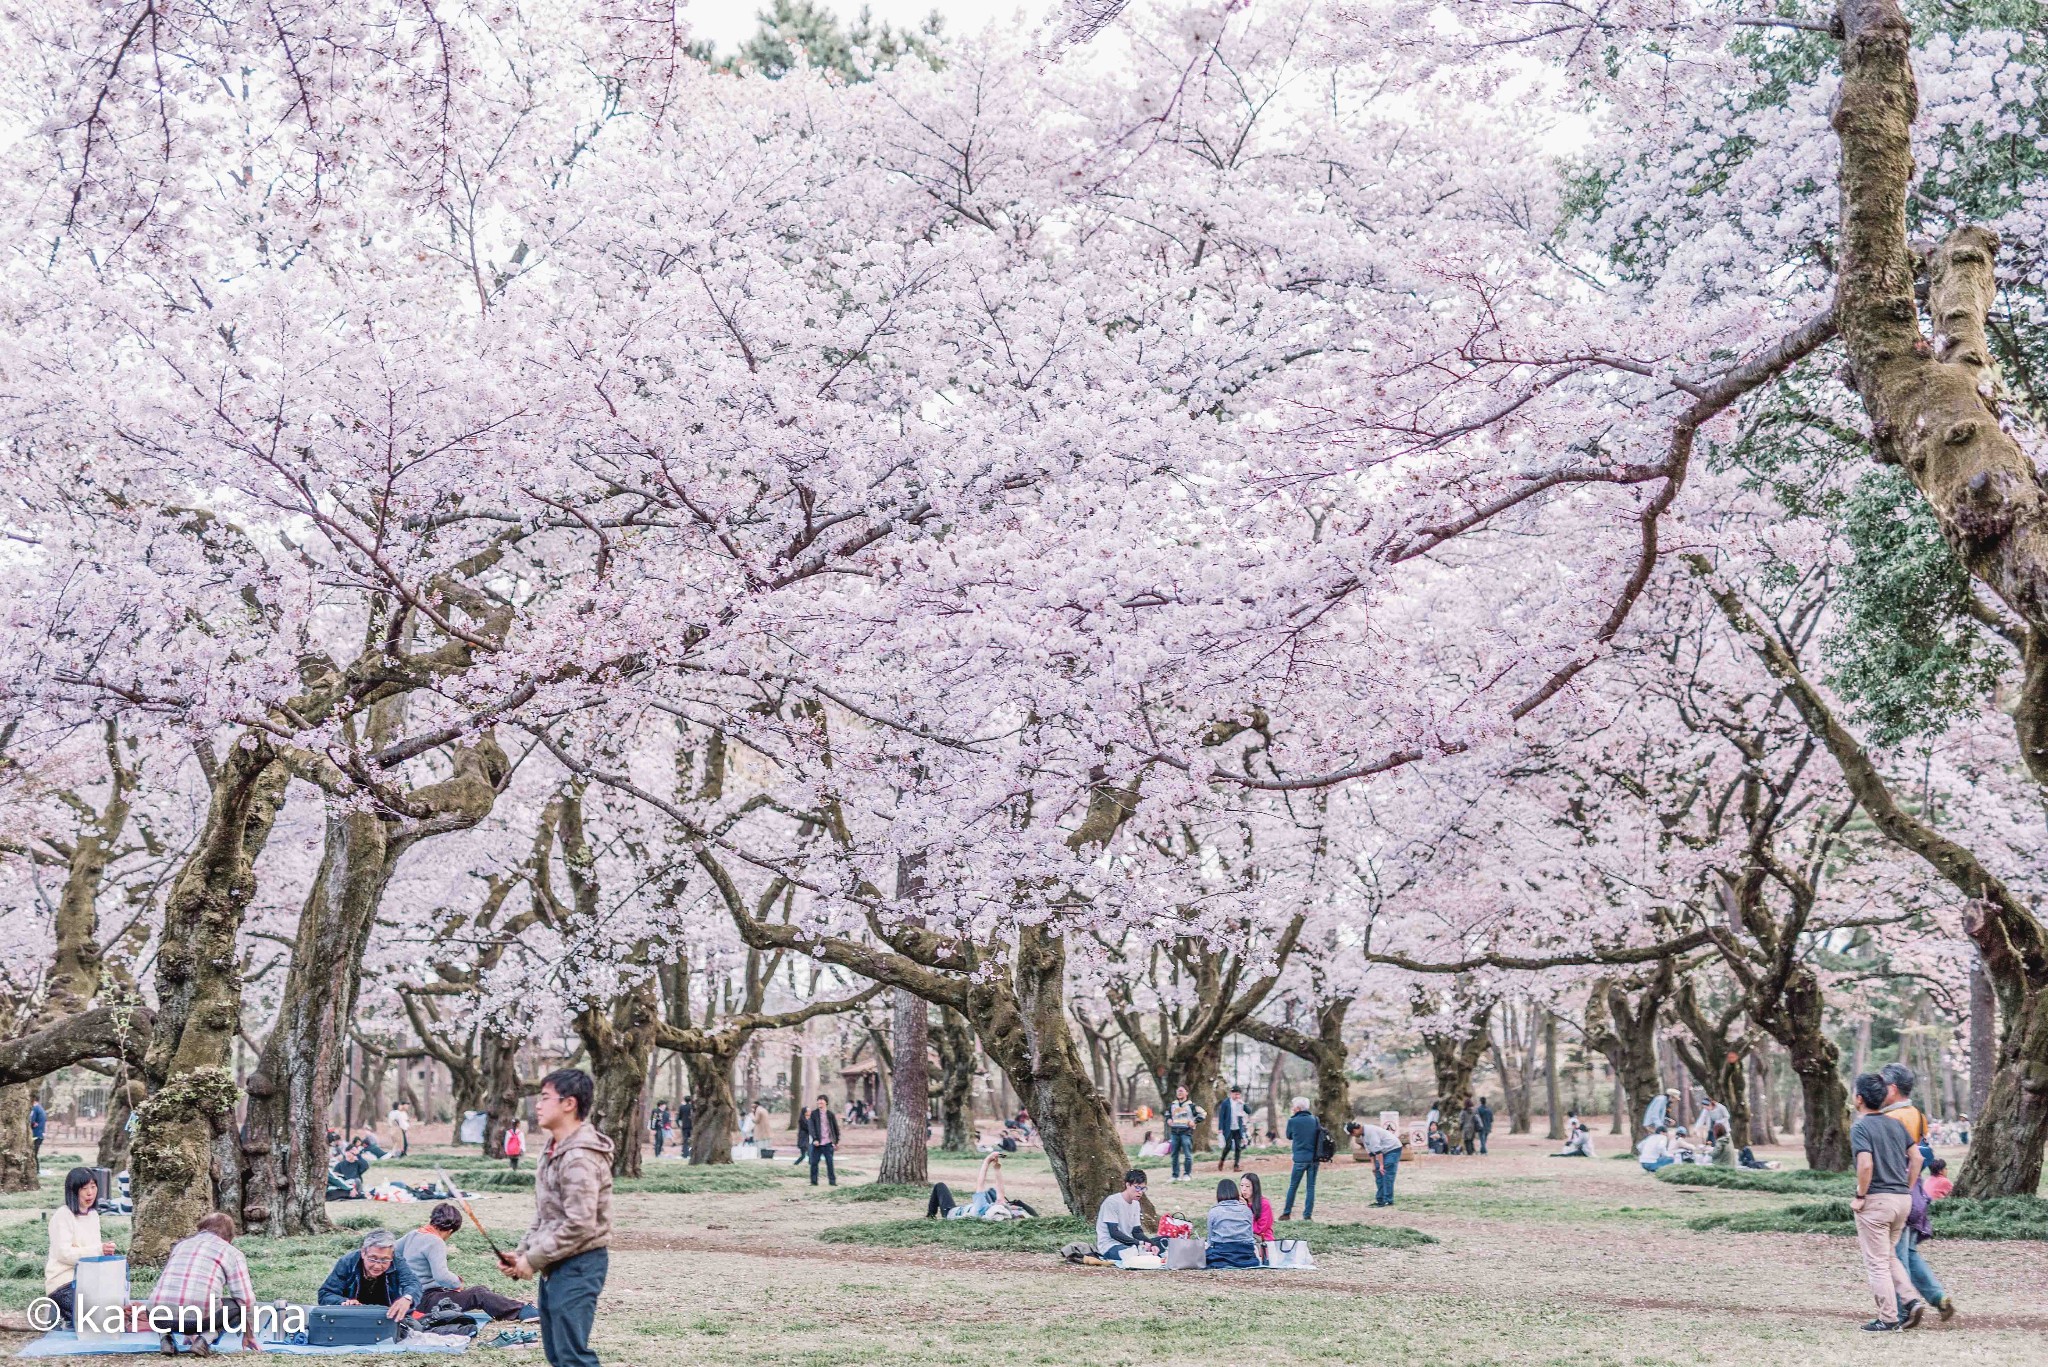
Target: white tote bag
x,y
101,1294
1292,1253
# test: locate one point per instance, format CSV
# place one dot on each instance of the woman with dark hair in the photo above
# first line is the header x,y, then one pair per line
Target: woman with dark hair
x,y
1231,1243
1262,1210
74,1234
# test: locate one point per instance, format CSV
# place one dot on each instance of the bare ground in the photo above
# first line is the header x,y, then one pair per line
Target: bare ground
x,y
1539,1260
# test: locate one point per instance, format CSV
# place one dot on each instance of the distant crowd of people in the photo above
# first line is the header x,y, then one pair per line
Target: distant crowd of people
x,y
1458,1128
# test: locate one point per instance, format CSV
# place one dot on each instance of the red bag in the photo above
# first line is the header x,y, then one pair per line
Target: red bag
x,y
1175,1226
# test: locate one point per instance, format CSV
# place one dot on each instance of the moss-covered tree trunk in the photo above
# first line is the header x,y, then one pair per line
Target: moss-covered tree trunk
x,y
17,1146
1932,414
1626,1032
955,1044
177,1149
620,1038
284,1138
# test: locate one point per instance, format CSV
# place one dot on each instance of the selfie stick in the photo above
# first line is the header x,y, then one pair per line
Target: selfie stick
x,y
470,1211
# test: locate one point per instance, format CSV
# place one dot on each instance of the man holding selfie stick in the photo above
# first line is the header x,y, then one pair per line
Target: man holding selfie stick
x,y
566,1247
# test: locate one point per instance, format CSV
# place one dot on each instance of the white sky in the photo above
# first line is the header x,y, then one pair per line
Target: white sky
x,y
726,22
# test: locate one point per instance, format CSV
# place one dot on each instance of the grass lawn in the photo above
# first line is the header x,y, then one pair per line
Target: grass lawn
x,y
1508,1258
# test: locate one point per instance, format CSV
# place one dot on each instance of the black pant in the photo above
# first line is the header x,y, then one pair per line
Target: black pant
x,y
941,1202
823,1151
658,1136
66,1299
472,1298
1233,1148
685,1150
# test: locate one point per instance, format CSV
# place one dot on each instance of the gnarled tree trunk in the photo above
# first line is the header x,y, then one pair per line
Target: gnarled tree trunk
x,y
1626,1032
284,1137
178,1130
955,1044
714,1114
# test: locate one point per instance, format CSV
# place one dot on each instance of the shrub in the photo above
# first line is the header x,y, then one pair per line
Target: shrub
x,y
2002,1217
1784,1182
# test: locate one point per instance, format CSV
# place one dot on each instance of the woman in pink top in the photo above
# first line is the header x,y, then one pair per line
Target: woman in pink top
x,y
1262,1211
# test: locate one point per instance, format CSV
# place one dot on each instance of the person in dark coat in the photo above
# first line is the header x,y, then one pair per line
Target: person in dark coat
x,y
1468,1128
821,1132
1485,1114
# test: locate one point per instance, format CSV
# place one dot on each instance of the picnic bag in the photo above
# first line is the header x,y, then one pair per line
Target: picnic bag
x,y
1175,1226
1326,1147
1182,1254
353,1326
1292,1253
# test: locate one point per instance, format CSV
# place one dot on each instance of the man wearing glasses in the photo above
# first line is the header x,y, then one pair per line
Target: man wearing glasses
x,y
1120,1223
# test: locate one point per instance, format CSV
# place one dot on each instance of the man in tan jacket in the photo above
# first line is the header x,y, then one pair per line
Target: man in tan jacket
x,y
566,1247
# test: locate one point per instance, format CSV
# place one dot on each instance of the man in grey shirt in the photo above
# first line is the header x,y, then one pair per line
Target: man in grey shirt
x,y
1887,1166
424,1252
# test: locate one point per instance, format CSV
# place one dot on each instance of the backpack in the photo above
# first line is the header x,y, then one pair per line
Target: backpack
x,y
1326,1147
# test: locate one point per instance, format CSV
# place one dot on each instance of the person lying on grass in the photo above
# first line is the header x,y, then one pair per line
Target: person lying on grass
x,y
987,1203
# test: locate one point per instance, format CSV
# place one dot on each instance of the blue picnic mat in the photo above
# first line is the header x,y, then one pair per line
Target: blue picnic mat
x,y
60,1343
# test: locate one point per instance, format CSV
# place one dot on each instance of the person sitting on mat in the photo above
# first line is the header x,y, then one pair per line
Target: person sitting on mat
x,y
1120,1221
74,1234
1231,1242
424,1254
205,1277
373,1274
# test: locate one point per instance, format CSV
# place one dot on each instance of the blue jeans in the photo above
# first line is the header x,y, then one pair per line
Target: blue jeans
x,y
1383,1179
1308,1207
1183,1149
568,1307
1924,1281
1660,1163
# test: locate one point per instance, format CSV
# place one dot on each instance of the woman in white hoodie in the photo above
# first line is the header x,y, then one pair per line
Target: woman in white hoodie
x,y
74,1234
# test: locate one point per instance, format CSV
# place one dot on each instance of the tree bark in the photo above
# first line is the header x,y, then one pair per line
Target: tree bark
x,y
17,1147
1983,1035
910,1103
1931,415
121,1103
1759,1102
1627,1034
1552,1100
955,1045
714,1113
179,1129
284,1136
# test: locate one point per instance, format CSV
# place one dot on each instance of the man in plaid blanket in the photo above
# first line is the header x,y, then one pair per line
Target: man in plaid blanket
x,y
204,1276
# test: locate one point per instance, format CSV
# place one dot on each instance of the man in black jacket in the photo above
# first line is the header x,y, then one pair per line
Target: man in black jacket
x,y
1232,1120
372,1275
821,1134
1485,1114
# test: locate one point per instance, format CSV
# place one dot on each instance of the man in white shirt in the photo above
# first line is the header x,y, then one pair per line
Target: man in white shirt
x,y
1655,1152
1120,1221
402,1122
1383,1147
